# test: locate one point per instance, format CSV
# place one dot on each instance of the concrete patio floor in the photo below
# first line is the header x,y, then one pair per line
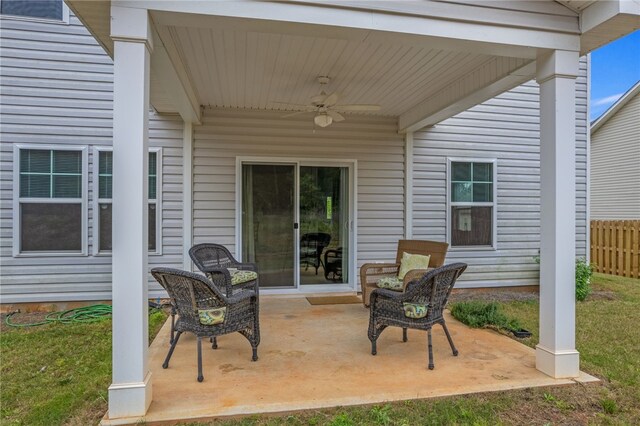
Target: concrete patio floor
x,y
319,356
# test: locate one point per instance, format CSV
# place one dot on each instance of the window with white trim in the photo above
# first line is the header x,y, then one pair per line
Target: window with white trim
x,y
51,200
105,188
471,216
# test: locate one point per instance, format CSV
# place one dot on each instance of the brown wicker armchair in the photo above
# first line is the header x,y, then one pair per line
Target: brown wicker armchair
x,y
191,294
370,273
430,293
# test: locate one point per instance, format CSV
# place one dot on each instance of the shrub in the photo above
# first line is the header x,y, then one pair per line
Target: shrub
x,y
478,314
584,271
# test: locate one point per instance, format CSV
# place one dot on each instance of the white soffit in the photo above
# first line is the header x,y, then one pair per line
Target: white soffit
x,y
246,69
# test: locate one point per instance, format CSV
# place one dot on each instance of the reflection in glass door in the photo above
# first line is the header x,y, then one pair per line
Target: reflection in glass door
x,y
268,215
324,225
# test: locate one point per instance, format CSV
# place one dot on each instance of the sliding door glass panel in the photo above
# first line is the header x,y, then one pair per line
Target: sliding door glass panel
x,y
268,216
324,225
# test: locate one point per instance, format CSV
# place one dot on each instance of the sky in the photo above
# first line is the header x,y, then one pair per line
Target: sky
x,y
615,68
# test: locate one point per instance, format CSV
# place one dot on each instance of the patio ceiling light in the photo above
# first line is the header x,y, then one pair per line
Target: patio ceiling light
x,y
323,120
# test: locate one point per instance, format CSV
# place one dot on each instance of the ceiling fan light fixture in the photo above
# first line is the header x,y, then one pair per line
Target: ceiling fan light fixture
x,y
323,120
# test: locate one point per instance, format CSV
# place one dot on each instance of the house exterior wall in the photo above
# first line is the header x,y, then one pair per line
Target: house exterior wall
x,y
615,165
57,89
373,142
505,128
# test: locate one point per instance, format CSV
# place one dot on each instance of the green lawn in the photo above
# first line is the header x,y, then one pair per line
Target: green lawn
x,y
59,375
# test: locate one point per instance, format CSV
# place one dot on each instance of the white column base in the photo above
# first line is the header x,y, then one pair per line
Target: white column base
x,y
559,364
130,399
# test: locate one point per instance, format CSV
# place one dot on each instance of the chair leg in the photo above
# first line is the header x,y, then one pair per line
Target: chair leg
x,y
431,365
200,376
374,349
165,364
446,332
173,323
214,343
254,357
404,335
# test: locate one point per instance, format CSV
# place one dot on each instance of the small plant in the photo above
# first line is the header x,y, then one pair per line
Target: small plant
x,y
381,415
609,406
584,271
478,314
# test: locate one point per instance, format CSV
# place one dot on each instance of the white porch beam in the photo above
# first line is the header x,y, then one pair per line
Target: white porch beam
x,y
487,81
444,29
605,21
130,391
173,77
556,353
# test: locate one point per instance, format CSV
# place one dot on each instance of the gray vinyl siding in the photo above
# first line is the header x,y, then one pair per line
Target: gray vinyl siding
x,y
506,128
615,165
57,89
373,142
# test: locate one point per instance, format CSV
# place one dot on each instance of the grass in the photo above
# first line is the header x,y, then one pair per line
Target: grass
x,y
72,388
477,314
58,374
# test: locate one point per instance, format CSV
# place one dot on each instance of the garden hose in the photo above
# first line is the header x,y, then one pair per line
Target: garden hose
x,y
85,314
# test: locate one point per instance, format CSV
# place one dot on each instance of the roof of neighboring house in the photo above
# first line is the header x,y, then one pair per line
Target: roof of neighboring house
x,y
615,107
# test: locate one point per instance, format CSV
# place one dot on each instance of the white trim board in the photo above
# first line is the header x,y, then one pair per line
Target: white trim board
x,y
297,162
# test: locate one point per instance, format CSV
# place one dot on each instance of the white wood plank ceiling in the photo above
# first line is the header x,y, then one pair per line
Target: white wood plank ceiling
x,y
245,69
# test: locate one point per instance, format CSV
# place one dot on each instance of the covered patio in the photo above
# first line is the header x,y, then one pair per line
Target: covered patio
x,y
422,63
318,356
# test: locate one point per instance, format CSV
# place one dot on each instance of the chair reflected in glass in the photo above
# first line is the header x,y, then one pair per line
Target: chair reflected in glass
x,y
312,245
333,264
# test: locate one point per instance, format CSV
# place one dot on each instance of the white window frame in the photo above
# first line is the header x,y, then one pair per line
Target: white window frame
x,y
493,204
17,200
63,21
97,201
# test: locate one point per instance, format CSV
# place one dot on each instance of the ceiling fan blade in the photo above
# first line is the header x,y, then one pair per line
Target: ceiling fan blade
x,y
358,107
335,115
295,113
331,99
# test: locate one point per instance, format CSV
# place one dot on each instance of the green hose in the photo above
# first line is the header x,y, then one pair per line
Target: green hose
x,y
85,314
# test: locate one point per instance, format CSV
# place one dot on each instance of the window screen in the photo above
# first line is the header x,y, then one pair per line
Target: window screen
x,y
44,9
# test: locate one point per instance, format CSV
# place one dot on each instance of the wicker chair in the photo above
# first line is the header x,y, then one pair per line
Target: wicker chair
x,y
190,293
370,273
311,246
432,289
214,260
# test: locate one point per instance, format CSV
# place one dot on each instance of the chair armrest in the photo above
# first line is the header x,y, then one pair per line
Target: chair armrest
x,y
247,266
379,268
215,270
241,296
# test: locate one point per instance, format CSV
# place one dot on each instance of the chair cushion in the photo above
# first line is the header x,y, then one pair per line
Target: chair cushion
x,y
390,283
415,310
410,262
212,316
241,277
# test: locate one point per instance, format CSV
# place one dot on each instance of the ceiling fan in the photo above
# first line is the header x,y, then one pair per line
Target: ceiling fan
x,y
325,107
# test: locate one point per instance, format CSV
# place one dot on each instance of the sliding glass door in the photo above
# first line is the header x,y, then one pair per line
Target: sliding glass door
x,y
324,225
268,217
296,223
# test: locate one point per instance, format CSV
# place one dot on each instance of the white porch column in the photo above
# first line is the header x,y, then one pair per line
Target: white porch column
x,y
556,353
187,195
130,391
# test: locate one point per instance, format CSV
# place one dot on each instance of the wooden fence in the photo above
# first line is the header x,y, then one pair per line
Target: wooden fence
x,y
615,247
